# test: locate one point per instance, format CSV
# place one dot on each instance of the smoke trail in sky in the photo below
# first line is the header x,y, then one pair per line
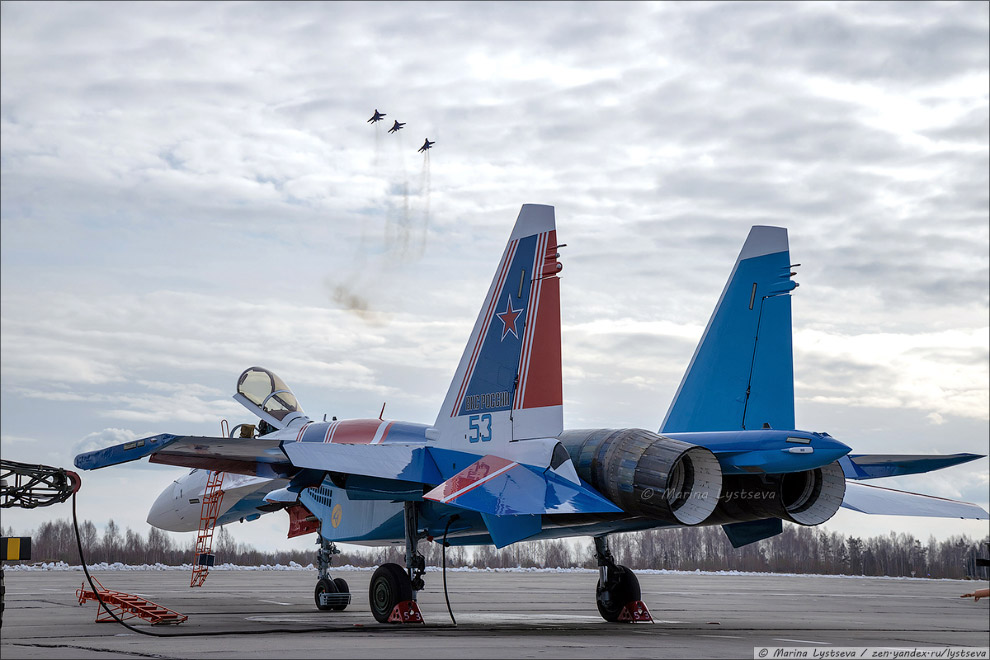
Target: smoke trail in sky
x,y
424,187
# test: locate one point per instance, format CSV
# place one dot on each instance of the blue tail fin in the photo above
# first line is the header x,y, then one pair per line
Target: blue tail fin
x,y
742,373
508,384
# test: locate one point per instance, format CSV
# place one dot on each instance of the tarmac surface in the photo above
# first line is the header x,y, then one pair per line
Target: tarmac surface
x,y
271,614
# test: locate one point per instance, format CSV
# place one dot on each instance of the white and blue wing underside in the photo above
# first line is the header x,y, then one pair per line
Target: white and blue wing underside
x,y
876,500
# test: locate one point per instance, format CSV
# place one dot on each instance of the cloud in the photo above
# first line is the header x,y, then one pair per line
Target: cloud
x,y
192,189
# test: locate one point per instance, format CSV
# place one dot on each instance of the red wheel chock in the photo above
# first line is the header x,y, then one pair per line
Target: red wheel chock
x,y
406,612
635,612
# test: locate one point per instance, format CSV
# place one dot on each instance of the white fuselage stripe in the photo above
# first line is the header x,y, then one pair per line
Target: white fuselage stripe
x,y
380,433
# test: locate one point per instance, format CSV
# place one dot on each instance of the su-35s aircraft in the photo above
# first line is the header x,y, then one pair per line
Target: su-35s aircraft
x,y
497,467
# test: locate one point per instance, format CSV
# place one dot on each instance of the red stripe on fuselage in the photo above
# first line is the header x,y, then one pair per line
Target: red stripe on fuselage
x,y
355,431
300,434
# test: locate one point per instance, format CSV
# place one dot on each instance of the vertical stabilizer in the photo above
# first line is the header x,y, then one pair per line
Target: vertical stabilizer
x,y
742,375
507,386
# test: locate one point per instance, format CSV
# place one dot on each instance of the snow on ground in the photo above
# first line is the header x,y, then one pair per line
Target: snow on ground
x,y
293,566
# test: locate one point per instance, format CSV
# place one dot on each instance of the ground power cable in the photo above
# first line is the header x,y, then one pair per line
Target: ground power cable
x,y
444,556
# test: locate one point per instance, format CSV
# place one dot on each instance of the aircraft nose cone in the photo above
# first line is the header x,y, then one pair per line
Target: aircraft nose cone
x,y
164,513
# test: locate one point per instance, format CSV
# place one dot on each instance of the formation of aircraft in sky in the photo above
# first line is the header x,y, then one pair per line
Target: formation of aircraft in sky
x,y
396,127
496,466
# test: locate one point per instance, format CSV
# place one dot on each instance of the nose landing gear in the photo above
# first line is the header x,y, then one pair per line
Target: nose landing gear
x,y
330,593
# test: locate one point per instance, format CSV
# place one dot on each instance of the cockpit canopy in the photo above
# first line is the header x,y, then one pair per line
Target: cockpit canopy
x,y
267,395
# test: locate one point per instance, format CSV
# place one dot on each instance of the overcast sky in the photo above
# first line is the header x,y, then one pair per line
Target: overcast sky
x,y
192,189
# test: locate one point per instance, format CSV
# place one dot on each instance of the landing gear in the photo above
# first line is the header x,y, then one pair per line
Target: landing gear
x,y
390,585
330,593
392,593
324,586
617,593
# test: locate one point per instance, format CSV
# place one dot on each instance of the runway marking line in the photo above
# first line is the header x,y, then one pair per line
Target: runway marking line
x,y
800,641
274,602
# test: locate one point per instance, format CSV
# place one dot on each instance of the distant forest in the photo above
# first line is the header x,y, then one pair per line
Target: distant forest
x,y
812,550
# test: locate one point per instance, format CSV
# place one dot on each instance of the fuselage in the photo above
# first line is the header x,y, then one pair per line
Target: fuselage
x,y
356,510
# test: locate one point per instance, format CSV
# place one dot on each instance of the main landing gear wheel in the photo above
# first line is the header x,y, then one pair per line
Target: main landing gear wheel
x,y
325,586
390,585
622,588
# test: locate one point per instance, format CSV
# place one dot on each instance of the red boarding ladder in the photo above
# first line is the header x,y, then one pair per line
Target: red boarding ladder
x,y
127,606
212,497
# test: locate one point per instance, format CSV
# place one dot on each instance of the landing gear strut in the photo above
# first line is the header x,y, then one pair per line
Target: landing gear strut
x,y
392,593
330,593
617,593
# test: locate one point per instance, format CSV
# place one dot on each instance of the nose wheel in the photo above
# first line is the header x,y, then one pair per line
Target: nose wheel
x,y
331,594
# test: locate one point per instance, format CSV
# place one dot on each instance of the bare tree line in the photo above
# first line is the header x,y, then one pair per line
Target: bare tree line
x,y
798,550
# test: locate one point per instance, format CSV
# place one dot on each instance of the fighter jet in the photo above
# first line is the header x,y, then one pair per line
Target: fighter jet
x,y
397,126
376,117
426,145
497,466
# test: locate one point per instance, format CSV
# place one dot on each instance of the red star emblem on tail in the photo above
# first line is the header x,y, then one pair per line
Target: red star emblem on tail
x,y
508,318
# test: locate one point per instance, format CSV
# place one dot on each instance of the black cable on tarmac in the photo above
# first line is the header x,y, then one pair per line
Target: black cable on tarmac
x,y
82,560
444,546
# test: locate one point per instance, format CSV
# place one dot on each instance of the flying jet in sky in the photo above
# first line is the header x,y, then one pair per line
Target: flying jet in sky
x,y
396,126
497,466
376,117
426,145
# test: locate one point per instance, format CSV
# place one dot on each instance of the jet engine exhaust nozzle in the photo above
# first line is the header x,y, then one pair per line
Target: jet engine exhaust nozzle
x,y
646,473
809,497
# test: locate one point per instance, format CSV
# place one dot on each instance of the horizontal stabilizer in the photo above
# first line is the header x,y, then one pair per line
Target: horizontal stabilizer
x,y
498,486
889,502
506,530
874,466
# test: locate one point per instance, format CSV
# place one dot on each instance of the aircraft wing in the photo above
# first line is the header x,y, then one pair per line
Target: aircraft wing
x,y
260,457
887,501
271,457
874,466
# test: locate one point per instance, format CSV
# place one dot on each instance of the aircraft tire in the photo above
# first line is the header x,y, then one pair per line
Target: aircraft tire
x,y
342,588
324,586
623,590
390,585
